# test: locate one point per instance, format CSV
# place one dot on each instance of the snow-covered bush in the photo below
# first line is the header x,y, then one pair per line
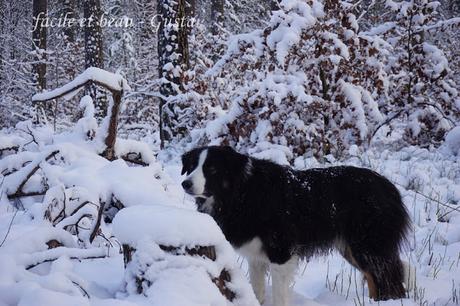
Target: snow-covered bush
x,y
422,89
313,82
309,81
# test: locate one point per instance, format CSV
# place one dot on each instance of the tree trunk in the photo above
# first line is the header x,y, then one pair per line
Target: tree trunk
x,y
274,5
93,51
39,41
190,9
68,9
173,60
70,63
111,137
217,15
2,33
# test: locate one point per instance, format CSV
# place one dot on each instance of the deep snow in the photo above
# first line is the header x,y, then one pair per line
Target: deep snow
x,y
428,180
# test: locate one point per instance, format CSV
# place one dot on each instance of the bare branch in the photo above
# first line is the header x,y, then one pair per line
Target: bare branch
x,y
97,225
85,293
73,253
9,228
19,192
91,75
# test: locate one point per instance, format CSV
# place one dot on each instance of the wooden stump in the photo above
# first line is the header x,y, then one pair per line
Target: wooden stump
x,y
202,251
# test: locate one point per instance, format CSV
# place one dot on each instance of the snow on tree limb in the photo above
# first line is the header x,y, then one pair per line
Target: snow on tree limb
x,y
15,182
106,79
34,259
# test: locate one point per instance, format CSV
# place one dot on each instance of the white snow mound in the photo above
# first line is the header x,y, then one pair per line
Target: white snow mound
x,y
453,141
177,278
166,225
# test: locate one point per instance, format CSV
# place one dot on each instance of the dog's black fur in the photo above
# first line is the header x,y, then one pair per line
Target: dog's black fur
x,y
355,210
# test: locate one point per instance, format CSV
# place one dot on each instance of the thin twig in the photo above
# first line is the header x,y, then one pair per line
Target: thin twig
x,y
72,257
9,227
432,199
82,289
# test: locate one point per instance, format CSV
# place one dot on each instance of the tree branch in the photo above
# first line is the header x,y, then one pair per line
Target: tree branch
x,y
386,122
19,192
72,253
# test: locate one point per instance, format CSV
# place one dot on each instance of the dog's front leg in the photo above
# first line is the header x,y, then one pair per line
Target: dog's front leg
x,y
257,271
282,277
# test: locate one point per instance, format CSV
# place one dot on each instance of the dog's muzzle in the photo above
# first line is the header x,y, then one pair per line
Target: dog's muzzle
x,y
188,186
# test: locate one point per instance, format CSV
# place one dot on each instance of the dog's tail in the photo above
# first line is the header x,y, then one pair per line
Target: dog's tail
x,y
410,279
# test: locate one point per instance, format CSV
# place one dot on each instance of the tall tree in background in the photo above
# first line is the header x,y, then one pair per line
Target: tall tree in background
x,y
190,9
72,42
94,56
173,61
39,42
217,16
275,5
119,41
2,33
68,9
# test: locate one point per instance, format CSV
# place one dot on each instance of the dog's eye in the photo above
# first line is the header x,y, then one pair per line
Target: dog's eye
x,y
212,170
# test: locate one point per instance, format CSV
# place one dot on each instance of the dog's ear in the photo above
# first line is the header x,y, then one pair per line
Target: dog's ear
x,y
185,163
228,148
233,159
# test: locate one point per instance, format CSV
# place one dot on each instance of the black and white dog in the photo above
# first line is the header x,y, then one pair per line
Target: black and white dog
x,y
273,215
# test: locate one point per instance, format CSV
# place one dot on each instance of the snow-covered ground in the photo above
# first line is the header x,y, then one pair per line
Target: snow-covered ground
x,y
429,181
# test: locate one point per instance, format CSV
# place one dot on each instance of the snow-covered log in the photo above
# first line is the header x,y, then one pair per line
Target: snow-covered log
x,y
165,246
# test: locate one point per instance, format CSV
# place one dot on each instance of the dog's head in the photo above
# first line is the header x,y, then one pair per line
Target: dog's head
x,y
212,171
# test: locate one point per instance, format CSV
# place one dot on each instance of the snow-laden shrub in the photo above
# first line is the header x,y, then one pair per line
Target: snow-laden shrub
x,y
422,89
314,83
309,82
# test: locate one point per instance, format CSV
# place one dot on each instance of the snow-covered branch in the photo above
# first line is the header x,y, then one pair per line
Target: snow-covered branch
x,y
106,79
35,259
15,182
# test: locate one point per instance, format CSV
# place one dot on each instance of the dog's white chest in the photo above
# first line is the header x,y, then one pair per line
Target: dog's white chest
x,y
253,250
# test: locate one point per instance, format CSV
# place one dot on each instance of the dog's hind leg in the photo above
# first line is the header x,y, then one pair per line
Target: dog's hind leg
x,y
388,274
346,252
257,271
384,274
282,277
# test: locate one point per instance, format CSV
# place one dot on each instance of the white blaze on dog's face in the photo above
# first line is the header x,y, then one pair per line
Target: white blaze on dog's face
x,y
212,172
197,176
